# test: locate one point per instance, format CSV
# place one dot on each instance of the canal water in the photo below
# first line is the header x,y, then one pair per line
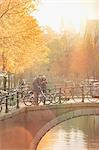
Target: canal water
x,y
80,133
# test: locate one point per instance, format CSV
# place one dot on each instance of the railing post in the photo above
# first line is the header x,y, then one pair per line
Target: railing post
x,y
12,100
6,104
60,95
83,96
17,100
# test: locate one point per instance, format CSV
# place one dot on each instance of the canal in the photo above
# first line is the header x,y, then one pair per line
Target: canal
x,y
80,133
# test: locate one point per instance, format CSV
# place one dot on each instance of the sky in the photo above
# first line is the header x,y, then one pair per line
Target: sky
x,y
66,13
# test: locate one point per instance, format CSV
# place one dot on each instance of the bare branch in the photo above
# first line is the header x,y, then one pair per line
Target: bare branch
x,y
5,10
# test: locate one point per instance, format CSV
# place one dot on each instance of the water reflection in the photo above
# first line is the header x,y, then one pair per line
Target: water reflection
x,y
15,138
77,134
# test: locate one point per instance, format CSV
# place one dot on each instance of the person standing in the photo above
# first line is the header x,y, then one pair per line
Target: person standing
x,y
43,84
36,88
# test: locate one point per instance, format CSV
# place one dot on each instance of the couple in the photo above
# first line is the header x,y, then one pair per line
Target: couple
x,y
39,85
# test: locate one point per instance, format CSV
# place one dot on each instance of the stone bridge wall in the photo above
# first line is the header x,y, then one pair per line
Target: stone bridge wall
x,y
23,129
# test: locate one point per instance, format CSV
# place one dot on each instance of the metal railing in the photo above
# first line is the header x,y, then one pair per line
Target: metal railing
x,y
76,94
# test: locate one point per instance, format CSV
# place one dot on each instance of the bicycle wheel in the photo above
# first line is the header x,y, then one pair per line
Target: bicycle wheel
x,y
27,100
49,99
57,98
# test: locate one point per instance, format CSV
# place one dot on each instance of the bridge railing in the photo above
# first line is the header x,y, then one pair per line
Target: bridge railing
x,y
59,95
9,100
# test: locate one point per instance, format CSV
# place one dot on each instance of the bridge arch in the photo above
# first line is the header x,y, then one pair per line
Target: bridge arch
x,y
64,117
35,121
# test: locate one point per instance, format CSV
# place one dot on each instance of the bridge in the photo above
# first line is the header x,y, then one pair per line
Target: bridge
x,y
23,128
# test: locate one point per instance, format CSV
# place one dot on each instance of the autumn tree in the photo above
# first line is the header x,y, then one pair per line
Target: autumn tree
x,y
85,56
21,40
90,40
78,67
61,47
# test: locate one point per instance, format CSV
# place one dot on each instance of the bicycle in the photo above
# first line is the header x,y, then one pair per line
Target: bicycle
x,y
92,93
43,98
2,101
84,93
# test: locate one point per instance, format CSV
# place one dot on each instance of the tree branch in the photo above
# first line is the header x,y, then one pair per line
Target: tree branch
x,y
5,10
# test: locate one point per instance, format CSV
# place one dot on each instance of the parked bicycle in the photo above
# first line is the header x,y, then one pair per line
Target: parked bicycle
x,y
43,98
2,101
47,98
